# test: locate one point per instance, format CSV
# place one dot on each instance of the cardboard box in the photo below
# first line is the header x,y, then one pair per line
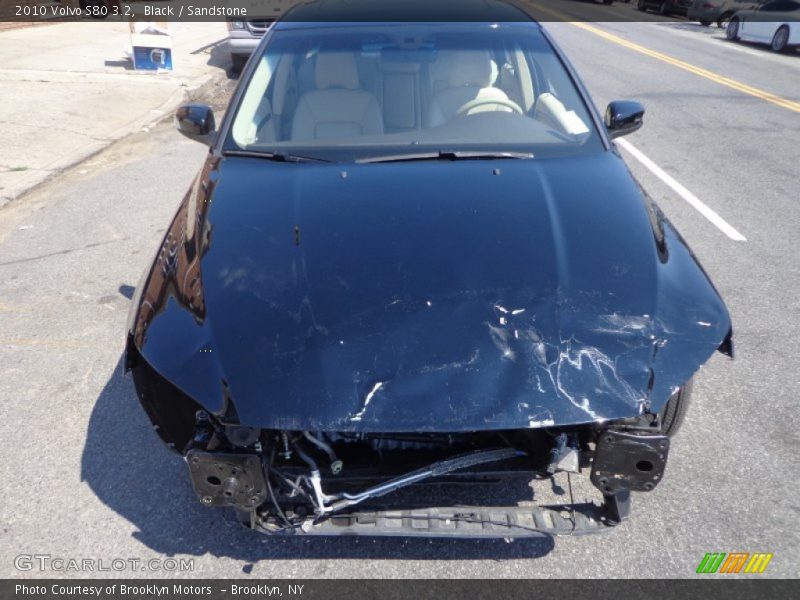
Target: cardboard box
x,y
151,52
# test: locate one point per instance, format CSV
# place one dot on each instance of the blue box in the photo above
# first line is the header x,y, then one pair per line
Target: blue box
x,y
152,58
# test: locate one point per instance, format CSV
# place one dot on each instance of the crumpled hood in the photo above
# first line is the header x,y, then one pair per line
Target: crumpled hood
x,y
438,296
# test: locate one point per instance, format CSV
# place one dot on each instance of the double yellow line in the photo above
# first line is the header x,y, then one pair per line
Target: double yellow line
x,y
726,81
710,75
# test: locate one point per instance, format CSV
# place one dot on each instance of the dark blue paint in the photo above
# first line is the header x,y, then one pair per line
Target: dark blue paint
x,y
386,316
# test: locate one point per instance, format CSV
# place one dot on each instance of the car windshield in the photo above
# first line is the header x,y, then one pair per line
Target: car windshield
x,y
399,91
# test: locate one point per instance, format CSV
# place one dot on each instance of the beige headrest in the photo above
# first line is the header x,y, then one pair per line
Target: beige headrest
x,y
470,68
336,70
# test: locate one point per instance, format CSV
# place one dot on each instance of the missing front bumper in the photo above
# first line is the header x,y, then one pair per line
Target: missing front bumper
x,y
451,522
621,462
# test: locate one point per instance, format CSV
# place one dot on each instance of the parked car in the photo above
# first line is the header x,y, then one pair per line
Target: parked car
x,y
414,255
244,36
774,23
719,11
665,7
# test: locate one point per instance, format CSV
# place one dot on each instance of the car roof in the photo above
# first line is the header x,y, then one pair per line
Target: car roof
x,y
407,11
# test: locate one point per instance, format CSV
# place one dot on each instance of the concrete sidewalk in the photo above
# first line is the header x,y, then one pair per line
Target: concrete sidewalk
x,y
68,91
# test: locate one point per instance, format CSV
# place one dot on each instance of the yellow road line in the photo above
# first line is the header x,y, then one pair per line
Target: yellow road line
x,y
710,75
726,81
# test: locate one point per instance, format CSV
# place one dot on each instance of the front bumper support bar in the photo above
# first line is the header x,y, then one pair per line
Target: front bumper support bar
x,y
457,521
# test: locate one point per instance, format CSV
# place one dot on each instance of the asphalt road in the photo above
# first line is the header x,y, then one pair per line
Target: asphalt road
x,y
84,475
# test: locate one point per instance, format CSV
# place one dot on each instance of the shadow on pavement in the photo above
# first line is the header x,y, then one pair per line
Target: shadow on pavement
x,y
766,49
134,474
219,56
126,291
123,63
695,27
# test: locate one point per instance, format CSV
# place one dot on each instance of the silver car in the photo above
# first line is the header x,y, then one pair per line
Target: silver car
x,y
719,11
244,36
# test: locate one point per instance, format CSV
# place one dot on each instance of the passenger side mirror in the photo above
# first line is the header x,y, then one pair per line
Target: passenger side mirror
x,y
623,117
196,121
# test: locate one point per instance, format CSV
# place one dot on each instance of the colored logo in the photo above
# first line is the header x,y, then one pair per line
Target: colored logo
x,y
736,562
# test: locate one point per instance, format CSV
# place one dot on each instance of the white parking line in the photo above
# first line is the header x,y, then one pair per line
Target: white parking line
x,y
679,189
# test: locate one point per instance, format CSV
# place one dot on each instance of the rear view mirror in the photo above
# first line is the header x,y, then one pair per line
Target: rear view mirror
x,y
196,121
623,117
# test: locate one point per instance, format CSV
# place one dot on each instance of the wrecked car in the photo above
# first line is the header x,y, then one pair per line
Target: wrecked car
x,y
413,260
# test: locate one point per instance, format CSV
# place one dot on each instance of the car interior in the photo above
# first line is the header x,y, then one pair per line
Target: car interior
x,y
393,90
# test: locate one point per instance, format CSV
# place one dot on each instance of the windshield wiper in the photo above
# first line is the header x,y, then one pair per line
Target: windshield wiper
x,y
447,155
275,156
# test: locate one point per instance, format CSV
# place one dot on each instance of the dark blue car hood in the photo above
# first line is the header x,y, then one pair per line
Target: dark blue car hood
x,y
425,296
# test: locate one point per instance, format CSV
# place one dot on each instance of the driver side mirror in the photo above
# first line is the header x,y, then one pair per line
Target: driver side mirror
x,y
196,121
623,117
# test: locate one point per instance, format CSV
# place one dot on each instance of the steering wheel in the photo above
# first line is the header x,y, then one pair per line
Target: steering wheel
x,y
487,101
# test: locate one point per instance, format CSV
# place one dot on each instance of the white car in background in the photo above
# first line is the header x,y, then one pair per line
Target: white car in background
x,y
776,23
